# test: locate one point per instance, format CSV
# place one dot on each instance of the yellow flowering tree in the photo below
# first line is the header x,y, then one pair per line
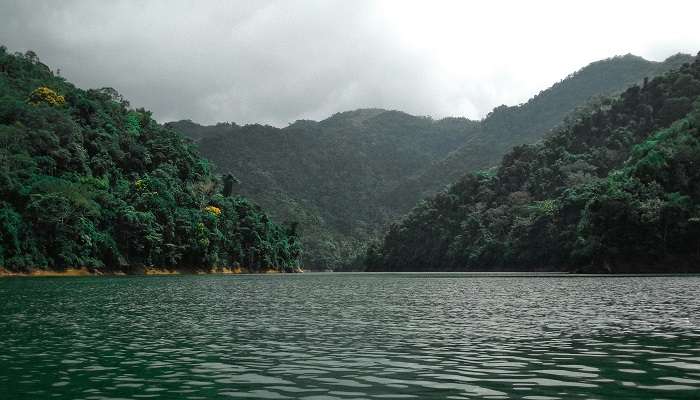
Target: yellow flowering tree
x,y
43,94
213,210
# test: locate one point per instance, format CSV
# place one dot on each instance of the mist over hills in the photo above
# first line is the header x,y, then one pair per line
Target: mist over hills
x,y
344,178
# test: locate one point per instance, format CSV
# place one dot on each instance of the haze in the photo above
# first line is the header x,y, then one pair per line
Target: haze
x,y
278,61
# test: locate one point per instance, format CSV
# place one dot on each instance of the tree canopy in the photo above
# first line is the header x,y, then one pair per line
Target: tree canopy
x,y
344,178
87,181
616,189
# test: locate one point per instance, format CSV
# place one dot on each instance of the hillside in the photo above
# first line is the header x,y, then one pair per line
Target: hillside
x,y
329,175
345,177
87,181
615,190
506,127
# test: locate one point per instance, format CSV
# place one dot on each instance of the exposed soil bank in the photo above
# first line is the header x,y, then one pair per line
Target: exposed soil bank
x,y
140,271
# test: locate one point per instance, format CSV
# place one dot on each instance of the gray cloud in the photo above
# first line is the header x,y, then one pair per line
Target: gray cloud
x,y
278,61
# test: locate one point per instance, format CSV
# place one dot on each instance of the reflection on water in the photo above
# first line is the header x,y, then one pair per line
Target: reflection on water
x,y
350,336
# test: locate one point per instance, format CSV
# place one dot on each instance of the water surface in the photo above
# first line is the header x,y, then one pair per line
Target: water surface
x,y
350,336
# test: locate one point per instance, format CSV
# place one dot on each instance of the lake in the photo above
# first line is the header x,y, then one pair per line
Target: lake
x,y
350,336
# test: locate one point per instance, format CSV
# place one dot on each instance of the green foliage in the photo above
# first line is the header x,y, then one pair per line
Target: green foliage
x,y
506,127
345,177
330,175
132,123
616,190
86,181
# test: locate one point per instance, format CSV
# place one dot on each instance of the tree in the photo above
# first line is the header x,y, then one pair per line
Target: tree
x,y
229,181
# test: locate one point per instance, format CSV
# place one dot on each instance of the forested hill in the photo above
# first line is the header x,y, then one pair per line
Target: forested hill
x,y
329,175
616,190
87,181
345,177
506,127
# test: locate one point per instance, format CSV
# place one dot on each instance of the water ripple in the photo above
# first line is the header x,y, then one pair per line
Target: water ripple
x,y
350,336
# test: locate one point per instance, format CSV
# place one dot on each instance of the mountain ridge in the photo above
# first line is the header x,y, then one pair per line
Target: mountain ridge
x,y
346,176
614,190
530,121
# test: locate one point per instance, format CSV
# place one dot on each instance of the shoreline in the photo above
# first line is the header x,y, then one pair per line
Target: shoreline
x,y
146,271
152,271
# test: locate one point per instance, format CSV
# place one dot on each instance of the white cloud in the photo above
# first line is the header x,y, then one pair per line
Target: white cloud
x,y
278,61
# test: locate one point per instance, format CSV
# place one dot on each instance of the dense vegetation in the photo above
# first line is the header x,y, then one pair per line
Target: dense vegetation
x,y
345,177
616,190
329,175
86,181
506,127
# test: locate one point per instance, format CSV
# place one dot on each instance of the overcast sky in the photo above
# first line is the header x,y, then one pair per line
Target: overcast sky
x,y
278,61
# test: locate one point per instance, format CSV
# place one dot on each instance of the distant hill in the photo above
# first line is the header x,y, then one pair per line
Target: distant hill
x,y
506,127
345,177
329,175
617,189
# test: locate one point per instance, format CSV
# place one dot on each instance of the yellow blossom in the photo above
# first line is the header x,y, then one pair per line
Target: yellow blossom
x,y
213,210
45,95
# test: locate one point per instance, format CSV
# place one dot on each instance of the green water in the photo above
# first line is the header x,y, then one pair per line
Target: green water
x,y
350,336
